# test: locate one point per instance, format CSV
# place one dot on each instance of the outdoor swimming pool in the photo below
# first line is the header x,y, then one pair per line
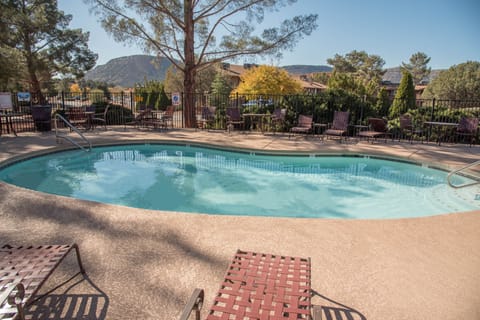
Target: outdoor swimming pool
x,y
204,180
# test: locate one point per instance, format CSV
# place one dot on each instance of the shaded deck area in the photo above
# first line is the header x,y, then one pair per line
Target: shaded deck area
x,y
144,264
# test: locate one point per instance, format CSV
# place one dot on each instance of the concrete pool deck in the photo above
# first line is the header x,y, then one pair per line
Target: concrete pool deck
x,y
144,264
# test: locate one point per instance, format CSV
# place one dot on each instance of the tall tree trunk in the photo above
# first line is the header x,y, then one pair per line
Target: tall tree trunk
x,y
190,67
35,89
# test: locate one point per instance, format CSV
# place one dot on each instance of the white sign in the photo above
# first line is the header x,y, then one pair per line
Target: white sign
x,y
176,99
23,96
6,100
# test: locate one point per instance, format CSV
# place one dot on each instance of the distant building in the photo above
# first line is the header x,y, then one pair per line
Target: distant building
x,y
392,77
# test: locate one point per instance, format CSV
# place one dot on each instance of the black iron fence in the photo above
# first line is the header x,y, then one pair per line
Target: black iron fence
x,y
124,106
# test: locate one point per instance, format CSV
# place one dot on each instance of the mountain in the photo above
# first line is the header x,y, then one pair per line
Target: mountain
x,y
126,71
306,69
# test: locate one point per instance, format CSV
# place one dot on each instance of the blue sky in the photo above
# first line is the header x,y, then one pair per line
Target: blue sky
x,y
448,31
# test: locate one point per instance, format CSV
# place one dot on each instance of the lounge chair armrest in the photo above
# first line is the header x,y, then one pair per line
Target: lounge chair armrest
x,y
194,303
14,294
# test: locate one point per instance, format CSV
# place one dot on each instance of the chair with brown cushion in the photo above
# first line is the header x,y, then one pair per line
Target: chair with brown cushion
x,y
234,118
304,125
167,117
377,128
467,128
339,125
207,118
408,129
278,119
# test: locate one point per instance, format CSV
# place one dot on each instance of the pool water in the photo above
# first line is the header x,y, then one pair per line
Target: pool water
x,y
201,180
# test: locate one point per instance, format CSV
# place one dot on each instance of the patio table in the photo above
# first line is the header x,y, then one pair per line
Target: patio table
x,y
442,129
256,119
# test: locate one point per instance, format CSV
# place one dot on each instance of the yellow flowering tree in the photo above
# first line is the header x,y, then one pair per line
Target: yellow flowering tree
x,y
268,80
75,88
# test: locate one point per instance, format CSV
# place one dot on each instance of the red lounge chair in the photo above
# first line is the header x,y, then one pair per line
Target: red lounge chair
x,y
304,125
23,270
378,128
259,286
339,125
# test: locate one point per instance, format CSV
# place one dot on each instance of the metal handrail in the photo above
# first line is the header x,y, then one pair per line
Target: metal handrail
x,y
73,128
461,169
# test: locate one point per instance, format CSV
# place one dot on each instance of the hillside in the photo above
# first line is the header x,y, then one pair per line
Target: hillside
x,y
306,69
126,71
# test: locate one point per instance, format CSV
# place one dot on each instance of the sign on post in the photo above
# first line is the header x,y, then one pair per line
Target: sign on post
x,y
176,99
5,100
23,96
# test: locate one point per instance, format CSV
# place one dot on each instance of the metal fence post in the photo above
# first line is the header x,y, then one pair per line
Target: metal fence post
x,y
63,100
433,110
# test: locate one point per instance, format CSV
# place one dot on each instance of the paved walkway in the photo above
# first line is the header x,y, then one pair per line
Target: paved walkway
x,y
144,264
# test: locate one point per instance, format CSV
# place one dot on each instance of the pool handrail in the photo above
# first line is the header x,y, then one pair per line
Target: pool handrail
x,y
456,171
73,128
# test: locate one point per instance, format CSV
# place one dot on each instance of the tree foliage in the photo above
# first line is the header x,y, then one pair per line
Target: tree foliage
x,y
418,67
404,97
459,82
360,64
193,34
358,73
37,32
151,93
268,80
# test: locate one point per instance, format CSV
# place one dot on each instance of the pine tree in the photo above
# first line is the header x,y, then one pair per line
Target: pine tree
x,y
405,96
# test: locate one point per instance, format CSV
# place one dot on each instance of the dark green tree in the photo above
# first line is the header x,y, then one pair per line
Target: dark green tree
x,y
404,97
221,85
360,64
185,32
358,73
38,32
459,82
418,67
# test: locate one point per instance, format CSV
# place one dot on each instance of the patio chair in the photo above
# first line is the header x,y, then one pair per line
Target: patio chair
x,y
339,125
207,117
101,118
304,125
467,128
408,130
234,118
167,117
139,119
278,119
23,271
377,128
77,116
259,286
